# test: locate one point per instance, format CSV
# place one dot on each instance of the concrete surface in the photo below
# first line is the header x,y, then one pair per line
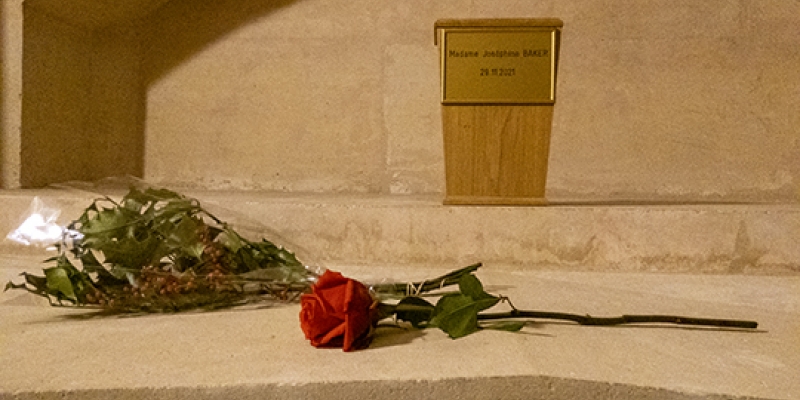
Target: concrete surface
x,y
55,353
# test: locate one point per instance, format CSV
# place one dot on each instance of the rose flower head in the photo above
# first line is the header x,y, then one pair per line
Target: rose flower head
x,y
337,313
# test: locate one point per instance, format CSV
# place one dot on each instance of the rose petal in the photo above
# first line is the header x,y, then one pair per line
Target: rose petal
x,y
330,279
337,313
333,338
357,313
315,320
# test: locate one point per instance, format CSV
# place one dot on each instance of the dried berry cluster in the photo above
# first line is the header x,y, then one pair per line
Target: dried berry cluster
x,y
152,282
159,290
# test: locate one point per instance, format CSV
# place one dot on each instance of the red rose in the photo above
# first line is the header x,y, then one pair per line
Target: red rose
x,y
337,313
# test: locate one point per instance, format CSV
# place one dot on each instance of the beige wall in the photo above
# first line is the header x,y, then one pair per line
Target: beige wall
x,y
678,99
658,99
73,97
55,100
10,91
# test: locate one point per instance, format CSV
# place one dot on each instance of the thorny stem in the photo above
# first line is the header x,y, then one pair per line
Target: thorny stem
x,y
619,320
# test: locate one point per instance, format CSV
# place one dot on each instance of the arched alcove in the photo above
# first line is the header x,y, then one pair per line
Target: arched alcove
x,y
86,69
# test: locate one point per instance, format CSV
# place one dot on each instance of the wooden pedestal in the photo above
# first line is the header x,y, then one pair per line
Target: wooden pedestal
x,y
498,92
496,154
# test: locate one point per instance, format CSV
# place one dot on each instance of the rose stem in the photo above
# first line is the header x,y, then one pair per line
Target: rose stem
x,y
430,284
620,320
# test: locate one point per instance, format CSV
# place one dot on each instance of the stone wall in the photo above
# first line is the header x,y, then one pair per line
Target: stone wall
x,y
655,99
664,100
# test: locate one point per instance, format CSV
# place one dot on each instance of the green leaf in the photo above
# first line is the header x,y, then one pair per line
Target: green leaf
x,y
415,310
93,266
12,285
471,286
195,250
286,256
230,240
107,220
59,284
457,313
132,204
508,326
131,253
160,194
184,235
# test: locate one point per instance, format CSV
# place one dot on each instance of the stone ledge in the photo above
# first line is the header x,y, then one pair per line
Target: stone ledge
x,y
52,353
374,230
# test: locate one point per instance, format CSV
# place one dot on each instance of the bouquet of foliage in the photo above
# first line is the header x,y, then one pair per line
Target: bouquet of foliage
x,y
156,250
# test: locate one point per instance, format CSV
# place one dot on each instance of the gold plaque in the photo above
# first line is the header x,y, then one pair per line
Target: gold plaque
x,y
498,65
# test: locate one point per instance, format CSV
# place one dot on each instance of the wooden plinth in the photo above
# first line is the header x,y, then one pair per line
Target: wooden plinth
x,y
496,154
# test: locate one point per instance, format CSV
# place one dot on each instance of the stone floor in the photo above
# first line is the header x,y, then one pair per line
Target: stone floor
x,y
58,353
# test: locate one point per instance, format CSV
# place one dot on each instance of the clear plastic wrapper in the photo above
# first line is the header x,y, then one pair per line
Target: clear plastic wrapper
x,y
39,227
138,248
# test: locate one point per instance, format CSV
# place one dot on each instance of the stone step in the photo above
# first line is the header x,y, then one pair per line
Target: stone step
x,y
736,261
374,230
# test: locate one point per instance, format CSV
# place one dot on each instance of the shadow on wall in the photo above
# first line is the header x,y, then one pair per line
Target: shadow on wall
x,y
87,65
182,28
